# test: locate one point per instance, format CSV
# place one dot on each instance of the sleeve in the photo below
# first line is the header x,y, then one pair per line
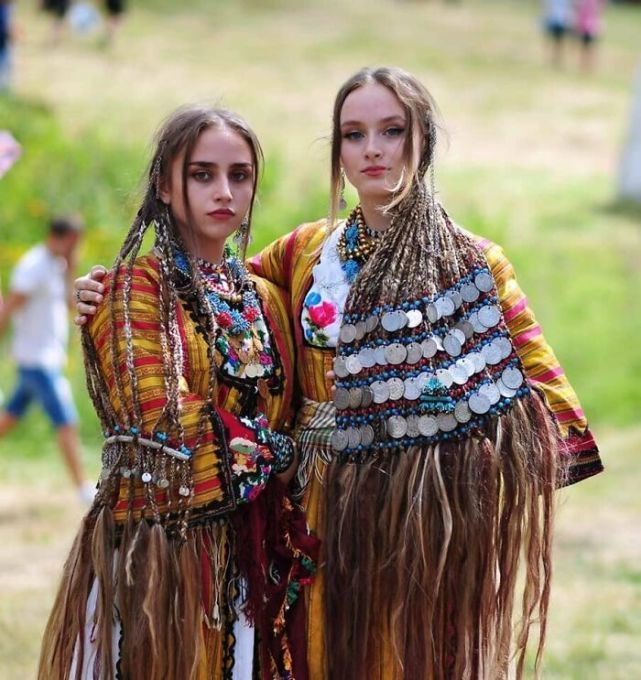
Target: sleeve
x,y
231,459
26,278
543,370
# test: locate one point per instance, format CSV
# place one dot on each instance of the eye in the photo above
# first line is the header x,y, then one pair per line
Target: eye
x,y
239,175
353,135
202,175
394,131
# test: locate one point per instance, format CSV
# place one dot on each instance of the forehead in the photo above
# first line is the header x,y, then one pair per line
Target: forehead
x,y
370,103
221,145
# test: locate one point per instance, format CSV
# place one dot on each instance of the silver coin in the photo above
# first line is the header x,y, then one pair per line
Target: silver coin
x,y
367,396
439,342
504,389
466,328
184,491
423,378
162,483
489,315
479,361
340,368
504,345
412,426
512,378
353,364
367,357
478,327
339,440
367,435
360,330
389,321
432,313
341,398
458,334
484,282
462,412
469,292
479,403
380,390
396,388
379,355
353,437
146,477
467,364
446,422
452,345
427,425
347,333
402,319
414,353
395,353
355,397
455,297
491,391
414,318
444,305
412,389
429,347
491,354
371,322
445,377
458,373
396,427
251,370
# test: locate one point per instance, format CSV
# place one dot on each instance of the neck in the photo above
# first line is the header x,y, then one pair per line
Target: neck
x,y
374,216
211,251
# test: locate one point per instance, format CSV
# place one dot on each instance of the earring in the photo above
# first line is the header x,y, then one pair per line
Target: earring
x,y
241,237
342,203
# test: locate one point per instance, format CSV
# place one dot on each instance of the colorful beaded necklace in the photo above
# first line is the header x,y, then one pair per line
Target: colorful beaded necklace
x,y
237,313
356,244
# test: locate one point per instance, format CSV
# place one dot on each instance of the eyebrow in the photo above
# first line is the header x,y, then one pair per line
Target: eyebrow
x,y
210,164
387,119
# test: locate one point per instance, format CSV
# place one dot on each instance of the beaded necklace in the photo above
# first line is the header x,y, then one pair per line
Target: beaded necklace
x,y
356,244
237,314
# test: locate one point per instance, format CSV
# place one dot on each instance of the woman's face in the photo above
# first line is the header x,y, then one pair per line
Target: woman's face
x,y
220,176
373,129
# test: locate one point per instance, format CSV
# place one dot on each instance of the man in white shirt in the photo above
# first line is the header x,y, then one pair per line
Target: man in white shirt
x,y
38,303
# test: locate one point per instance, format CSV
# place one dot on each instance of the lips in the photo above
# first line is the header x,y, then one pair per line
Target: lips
x,y
221,213
374,170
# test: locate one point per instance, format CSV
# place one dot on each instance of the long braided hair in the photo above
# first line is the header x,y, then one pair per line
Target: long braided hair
x,y
423,544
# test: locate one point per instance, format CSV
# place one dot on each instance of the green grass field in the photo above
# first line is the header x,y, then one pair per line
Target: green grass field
x,y
528,157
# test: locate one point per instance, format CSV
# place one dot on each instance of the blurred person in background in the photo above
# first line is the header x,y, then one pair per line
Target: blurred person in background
x,y
58,10
115,12
37,304
557,24
588,27
6,39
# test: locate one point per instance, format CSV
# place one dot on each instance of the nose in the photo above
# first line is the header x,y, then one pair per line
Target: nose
x,y
372,149
222,190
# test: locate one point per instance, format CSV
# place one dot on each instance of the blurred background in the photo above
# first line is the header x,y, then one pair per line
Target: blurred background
x,y
533,146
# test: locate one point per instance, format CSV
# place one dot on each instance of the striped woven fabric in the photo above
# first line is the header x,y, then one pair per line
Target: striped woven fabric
x,y
210,468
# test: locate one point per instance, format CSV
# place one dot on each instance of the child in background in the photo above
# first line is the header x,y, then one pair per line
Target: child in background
x,y
557,23
588,27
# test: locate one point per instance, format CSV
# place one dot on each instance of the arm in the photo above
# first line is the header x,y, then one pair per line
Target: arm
x,y
543,369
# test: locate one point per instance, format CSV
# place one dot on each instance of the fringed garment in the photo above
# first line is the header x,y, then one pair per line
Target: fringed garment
x,y
443,544
173,554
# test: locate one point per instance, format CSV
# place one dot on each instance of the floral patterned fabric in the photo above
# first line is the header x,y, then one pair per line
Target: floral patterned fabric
x,y
322,314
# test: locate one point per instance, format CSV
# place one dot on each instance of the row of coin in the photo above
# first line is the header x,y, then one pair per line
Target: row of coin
x,y
399,426
442,306
457,373
393,389
396,353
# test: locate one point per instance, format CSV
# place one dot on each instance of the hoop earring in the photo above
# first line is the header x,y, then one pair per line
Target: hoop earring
x,y
342,203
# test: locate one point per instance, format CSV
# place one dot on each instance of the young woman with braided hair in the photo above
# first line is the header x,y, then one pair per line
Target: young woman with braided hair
x,y
190,562
429,473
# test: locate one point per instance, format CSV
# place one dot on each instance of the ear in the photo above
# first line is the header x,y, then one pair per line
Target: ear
x,y
164,192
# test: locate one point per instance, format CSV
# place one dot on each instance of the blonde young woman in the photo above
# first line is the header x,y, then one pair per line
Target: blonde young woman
x,y
192,559
429,473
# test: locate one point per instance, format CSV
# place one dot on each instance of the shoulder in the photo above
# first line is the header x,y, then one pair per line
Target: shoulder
x,y
493,253
309,236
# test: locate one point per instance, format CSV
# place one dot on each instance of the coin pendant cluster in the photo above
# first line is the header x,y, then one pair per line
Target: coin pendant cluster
x,y
428,370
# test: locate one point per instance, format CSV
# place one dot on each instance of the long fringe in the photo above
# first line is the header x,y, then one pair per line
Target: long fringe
x,y
424,548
